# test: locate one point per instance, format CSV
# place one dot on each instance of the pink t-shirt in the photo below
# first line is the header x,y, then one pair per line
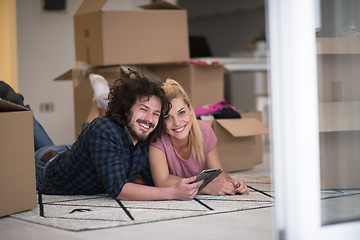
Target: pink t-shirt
x,y
186,167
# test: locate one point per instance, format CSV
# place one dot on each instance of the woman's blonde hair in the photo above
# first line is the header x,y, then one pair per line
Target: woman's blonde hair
x,y
173,90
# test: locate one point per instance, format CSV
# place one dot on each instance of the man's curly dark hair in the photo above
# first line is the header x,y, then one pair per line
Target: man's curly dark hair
x,y
124,93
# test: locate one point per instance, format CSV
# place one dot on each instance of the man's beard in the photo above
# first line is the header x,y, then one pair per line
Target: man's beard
x,y
130,128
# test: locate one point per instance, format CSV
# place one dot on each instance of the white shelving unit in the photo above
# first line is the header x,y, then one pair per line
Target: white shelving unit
x,y
339,111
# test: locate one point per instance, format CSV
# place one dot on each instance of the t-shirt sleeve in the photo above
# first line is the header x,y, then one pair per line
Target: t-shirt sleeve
x,y
209,136
159,143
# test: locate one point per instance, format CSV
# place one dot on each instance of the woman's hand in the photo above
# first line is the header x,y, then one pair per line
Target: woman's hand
x,y
219,186
185,190
240,186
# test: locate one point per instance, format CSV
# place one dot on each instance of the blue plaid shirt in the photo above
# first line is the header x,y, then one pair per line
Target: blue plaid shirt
x,y
102,160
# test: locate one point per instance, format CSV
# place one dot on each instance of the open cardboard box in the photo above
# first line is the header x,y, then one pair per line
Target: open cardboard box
x,y
258,151
158,34
192,77
17,162
237,145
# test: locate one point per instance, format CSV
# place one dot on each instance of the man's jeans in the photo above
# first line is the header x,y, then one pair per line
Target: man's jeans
x,y
40,165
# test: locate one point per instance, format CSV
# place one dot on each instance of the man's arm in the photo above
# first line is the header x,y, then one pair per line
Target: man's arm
x,y
182,190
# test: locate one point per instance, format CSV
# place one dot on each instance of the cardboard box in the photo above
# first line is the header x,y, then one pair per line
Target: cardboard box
x,y
203,83
258,147
17,162
339,124
192,77
236,142
130,36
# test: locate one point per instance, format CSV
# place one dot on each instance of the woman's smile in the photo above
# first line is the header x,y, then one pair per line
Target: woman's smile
x,y
179,130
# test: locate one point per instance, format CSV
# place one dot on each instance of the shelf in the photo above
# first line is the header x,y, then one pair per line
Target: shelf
x,y
339,116
338,45
238,64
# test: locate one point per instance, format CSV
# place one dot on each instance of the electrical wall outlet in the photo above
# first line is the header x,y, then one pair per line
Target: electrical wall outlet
x,y
46,107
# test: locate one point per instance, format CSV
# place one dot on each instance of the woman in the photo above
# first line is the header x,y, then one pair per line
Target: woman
x,y
187,146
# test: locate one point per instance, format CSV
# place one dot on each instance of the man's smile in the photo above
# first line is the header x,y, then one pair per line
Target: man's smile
x,y
144,124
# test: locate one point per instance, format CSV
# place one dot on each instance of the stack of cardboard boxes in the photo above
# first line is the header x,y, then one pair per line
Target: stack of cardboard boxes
x,y
155,41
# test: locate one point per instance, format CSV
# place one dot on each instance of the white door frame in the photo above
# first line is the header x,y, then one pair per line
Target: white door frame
x,y
294,124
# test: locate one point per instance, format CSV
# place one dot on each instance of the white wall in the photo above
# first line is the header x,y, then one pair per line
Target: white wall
x,y
46,50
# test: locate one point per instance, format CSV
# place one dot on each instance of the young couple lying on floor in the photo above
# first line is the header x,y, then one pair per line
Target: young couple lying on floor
x,y
147,145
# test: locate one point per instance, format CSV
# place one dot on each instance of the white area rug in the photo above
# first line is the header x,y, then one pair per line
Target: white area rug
x,y
78,213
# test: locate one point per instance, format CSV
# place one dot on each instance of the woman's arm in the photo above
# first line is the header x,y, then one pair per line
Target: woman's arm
x,y
160,169
223,184
182,190
168,186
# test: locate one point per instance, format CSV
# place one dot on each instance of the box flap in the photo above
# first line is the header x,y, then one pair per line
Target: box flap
x,y
160,5
88,6
77,73
65,76
243,127
339,116
142,69
6,106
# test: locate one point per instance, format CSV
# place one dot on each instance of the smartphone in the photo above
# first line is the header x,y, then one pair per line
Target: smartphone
x,y
207,175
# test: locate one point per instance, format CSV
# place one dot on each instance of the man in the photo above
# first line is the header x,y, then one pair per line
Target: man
x,y
112,151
